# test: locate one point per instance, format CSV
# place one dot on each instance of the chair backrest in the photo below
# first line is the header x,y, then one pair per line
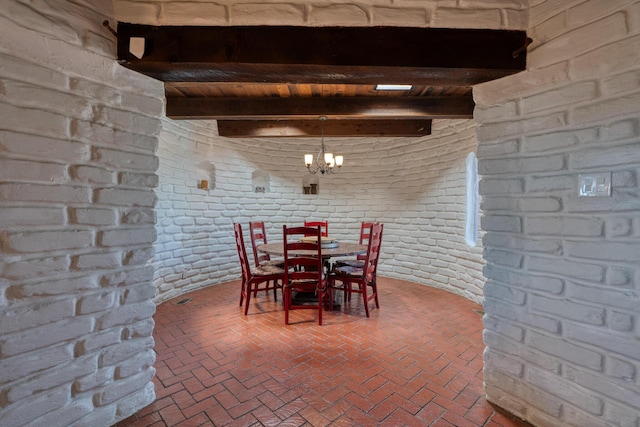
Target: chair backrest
x,y
242,253
365,229
258,237
324,225
373,252
297,267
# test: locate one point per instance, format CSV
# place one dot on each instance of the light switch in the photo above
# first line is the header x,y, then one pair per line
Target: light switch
x,y
595,184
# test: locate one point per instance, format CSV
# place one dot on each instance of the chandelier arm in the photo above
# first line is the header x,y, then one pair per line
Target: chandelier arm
x,y
321,165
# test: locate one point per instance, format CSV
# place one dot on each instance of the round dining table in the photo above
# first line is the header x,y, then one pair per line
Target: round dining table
x,y
341,249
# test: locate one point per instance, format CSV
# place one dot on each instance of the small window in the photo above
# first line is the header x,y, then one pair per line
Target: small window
x,y
471,227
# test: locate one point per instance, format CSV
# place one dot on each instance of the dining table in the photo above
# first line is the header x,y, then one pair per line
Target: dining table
x,y
335,249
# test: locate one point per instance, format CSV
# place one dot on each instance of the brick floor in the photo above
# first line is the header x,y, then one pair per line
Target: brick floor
x,y
417,361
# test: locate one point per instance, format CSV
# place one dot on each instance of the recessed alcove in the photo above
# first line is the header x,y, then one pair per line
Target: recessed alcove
x,y
310,185
260,181
206,173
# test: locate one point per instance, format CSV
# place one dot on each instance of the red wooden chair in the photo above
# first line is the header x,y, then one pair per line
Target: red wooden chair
x,y
324,225
303,274
365,229
364,277
259,237
252,278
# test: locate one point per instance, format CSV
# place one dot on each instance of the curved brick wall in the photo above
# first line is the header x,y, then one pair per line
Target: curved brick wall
x,y
78,135
416,187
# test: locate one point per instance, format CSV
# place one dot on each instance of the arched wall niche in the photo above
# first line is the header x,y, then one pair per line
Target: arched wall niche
x,y
260,181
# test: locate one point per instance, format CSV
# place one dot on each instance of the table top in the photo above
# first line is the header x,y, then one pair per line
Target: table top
x,y
343,249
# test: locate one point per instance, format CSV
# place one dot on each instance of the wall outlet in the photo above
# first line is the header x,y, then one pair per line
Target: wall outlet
x,y
595,184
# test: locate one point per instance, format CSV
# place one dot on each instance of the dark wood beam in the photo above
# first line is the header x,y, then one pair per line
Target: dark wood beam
x,y
312,128
316,74
232,108
358,55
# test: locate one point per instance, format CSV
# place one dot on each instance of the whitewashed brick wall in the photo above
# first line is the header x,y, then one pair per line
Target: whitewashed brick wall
x,y
416,187
77,142
504,14
563,290
77,170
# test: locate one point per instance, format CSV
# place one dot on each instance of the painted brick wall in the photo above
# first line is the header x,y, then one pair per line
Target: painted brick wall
x,y
77,167
77,142
504,14
563,289
415,186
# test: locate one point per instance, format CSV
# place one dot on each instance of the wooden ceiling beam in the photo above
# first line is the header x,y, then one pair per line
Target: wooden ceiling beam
x,y
445,62
358,55
236,108
316,74
312,128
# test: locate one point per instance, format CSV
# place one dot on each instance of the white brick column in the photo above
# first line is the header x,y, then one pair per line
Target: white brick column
x,y
77,171
563,283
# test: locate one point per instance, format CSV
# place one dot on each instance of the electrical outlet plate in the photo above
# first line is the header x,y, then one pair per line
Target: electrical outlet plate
x,y
595,184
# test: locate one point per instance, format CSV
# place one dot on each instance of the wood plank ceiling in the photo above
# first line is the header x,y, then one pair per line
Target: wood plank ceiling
x,y
277,81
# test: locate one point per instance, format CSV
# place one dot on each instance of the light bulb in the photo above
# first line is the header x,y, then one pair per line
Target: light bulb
x,y
328,158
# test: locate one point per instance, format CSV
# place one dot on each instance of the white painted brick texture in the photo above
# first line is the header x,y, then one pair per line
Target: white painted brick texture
x,y
508,14
77,171
563,282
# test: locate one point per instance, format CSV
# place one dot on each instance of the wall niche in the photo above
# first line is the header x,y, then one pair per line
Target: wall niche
x,y
206,175
260,182
310,184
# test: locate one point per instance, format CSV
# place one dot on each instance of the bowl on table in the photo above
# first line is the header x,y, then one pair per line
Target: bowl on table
x,y
326,242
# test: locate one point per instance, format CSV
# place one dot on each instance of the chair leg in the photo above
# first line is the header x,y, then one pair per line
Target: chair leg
x,y
287,298
347,291
330,286
346,288
374,287
242,293
342,289
246,307
365,299
320,306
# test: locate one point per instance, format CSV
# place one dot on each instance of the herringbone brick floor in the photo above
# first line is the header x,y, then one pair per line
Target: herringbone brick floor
x,y
417,361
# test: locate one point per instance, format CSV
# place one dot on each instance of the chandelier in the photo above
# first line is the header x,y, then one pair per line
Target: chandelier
x,y
324,162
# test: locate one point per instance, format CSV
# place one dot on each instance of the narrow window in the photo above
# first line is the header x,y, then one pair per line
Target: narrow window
x,y
471,227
